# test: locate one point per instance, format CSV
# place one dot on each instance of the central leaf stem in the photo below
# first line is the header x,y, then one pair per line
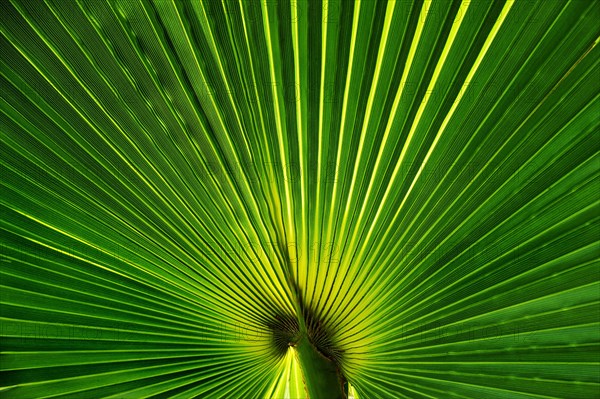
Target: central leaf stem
x,y
321,376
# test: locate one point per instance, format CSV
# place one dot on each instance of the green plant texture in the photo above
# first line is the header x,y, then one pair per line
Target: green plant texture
x,y
292,199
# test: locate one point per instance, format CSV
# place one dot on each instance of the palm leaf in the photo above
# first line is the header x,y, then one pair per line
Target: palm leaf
x,y
247,199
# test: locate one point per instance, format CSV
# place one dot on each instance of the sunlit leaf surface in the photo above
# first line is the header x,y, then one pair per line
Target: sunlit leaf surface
x,y
184,182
